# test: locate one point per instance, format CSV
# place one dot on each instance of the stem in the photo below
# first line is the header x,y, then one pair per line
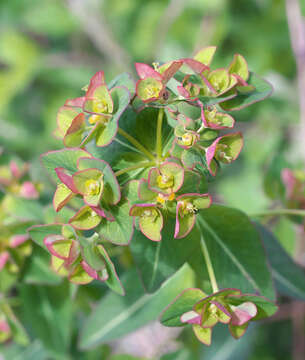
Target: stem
x,y
209,265
143,165
135,142
279,212
159,134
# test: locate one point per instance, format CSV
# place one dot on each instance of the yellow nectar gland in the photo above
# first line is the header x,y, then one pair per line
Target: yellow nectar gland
x,y
100,106
162,198
152,91
165,181
92,187
93,119
187,139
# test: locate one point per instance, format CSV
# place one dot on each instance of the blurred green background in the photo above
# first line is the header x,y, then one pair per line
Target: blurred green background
x,y
50,48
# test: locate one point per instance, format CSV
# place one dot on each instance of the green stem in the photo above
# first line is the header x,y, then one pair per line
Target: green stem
x,y
279,212
209,265
143,165
135,142
159,134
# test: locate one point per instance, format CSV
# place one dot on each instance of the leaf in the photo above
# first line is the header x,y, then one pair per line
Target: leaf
x,y
48,313
113,280
289,277
125,357
38,271
33,351
125,80
224,347
18,332
66,158
182,304
142,125
91,253
155,260
236,251
220,99
39,232
263,89
183,354
115,316
23,209
120,231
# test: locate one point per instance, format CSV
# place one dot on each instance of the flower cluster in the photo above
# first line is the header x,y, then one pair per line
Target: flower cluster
x,y
93,116
186,91
138,157
69,250
94,182
228,306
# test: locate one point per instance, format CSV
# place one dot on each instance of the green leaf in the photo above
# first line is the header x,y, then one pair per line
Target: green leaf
x,y
225,347
155,260
33,351
38,271
263,89
91,253
115,316
125,357
39,232
289,277
182,304
236,251
220,99
66,158
48,313
125,80
113,280
23,209
142,125
120,231
18,332
183,354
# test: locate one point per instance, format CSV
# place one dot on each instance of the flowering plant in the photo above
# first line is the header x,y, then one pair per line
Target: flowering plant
x,y
132,188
